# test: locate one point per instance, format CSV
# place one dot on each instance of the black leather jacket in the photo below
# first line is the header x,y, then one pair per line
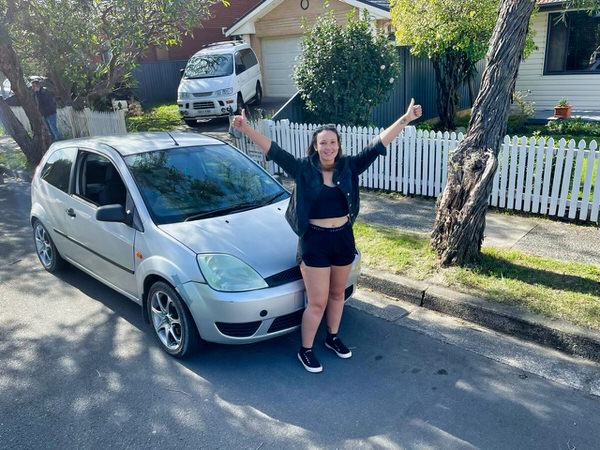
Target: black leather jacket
x,y
308,179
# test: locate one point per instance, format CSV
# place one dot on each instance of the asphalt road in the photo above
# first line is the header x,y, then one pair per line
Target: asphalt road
x,y
80,369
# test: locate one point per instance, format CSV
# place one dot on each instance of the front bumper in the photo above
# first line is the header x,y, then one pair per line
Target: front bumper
x,y
246,317
206,108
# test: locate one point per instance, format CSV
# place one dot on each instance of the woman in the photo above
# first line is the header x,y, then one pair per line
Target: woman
x,y
322,209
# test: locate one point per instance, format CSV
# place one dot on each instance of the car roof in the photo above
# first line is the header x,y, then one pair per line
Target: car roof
x,y
135,143
222,48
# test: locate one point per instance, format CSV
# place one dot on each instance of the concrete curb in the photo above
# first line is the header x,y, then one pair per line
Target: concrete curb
x,y
554,333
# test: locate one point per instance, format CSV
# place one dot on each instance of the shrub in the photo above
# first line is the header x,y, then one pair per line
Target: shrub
x,y
343,72
522,110
574,127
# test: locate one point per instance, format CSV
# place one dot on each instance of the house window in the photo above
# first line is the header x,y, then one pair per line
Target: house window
x,y
573,44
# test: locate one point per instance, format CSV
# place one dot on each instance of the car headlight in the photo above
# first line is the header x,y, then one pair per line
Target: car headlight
x,y
228,273
185,95
227,91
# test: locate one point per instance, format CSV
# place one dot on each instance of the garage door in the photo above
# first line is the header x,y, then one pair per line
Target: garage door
x,y
278,60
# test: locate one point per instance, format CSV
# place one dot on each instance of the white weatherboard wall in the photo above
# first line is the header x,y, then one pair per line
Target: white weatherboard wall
x,y
581,90
278,61
535,176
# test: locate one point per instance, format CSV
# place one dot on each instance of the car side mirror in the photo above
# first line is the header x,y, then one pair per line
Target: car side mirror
x,y
113,213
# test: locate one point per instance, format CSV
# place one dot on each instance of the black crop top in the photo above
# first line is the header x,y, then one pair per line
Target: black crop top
x,y
329,203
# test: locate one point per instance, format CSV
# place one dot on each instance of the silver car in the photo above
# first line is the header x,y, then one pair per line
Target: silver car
x,y
185,225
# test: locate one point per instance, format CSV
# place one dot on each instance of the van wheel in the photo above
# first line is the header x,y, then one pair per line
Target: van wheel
x,y
45,249
258,95
173,324
240,104
192,123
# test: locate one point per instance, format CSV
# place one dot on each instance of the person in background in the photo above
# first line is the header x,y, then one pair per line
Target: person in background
x,y
47,106
322,209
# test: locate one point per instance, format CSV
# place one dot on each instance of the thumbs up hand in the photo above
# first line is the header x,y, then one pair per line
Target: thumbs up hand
x,y
413,111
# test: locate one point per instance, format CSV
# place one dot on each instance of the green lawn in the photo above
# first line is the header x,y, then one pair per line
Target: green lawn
x,y
156,117
556,289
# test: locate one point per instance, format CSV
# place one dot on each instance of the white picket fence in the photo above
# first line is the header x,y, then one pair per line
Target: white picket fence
x,y
72,123
534,175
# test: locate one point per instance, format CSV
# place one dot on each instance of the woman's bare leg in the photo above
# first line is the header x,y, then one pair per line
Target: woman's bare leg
x,y
316,281
335,305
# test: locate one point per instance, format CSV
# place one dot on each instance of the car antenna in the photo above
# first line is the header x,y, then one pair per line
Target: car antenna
x,y
176,143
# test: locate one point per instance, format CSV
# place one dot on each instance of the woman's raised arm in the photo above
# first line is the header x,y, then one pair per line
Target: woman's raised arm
x,y
389,134
241,124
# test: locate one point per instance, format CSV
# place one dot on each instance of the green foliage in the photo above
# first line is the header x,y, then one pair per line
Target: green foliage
x,y
343,72
522,111
89,47
573,127
563,102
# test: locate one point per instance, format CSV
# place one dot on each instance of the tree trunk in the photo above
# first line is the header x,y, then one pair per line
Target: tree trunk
x,y
460,210
34,148
449,74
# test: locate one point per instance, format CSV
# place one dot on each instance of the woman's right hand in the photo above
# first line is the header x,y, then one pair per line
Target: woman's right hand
x,y
240,122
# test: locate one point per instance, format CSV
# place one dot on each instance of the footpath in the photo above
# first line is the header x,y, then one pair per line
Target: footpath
x,y
535,236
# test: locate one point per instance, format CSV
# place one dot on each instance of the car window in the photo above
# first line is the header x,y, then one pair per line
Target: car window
x,y
201,181
248,58
99,181
239,64
206,66
57,169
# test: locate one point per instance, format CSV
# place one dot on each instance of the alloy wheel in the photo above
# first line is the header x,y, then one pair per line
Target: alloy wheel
x,y
166,318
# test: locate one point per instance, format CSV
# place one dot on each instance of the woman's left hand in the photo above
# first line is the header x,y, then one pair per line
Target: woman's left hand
x,y
414,111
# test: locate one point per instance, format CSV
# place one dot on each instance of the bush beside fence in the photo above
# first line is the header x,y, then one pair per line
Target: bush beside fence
x,y
72,124
534,175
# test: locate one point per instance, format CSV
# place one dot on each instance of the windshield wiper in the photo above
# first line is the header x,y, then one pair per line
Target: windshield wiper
x,y
237,208
273,198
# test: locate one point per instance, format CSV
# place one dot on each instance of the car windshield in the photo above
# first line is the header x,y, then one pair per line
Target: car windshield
x,y
204,66
190,183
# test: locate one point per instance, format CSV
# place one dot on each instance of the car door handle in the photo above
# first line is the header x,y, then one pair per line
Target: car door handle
x,y
70,212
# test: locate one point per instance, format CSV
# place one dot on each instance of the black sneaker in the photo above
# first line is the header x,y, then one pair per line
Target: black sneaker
x,y
310,361
337,346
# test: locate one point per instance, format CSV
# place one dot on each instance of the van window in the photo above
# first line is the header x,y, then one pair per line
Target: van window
x,y
248,58
239,63
207,66
57,170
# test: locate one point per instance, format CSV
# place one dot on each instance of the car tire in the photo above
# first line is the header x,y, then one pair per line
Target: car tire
x,y
45,249
240,104
258,95
192,123
171,320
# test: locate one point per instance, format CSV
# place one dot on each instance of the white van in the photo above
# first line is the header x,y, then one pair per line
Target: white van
x,y
221,76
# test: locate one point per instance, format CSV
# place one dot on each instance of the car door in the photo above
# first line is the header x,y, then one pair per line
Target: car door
x,y
104,248
252,69
53,193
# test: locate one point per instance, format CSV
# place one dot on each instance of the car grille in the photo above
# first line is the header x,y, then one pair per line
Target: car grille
x,y
287,276
203,105
245,329
202,94
287,321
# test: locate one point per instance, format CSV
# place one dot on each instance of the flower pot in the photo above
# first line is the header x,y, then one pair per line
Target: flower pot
x,y
562,112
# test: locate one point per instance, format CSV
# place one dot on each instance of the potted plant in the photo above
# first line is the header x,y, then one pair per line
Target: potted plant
x,y
563,109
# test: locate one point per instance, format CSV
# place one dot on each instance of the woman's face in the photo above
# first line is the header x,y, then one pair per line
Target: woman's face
x,y
327,146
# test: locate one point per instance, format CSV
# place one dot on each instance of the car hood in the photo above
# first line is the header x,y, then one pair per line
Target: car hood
x,y
205,84
260,237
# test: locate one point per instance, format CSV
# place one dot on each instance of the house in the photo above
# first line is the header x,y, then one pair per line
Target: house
x,y
273,29
566,62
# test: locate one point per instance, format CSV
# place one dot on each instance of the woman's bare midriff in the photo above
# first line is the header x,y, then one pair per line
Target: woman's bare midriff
x,y
332,222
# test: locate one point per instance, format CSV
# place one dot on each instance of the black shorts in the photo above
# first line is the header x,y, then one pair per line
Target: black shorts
x,y
324,247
